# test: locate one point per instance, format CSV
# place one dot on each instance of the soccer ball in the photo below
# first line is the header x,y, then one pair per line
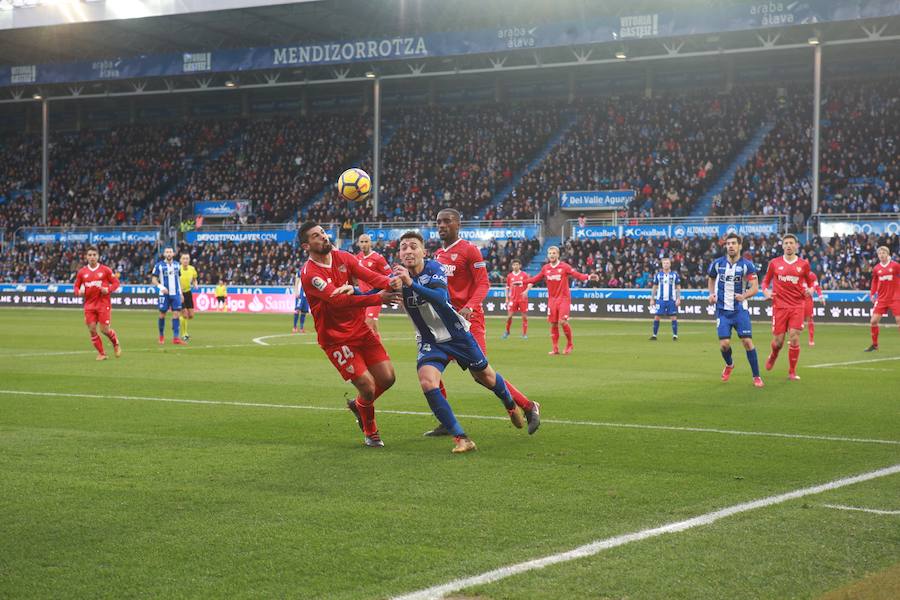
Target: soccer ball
x,y
354,184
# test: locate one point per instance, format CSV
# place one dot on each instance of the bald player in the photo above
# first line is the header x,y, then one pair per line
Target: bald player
x,y
374,262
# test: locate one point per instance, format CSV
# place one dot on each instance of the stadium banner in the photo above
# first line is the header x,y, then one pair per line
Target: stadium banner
x,y
276,235
673,230
597,200
687,230
93,237
246,303
607,29
829,229
472,234
222,209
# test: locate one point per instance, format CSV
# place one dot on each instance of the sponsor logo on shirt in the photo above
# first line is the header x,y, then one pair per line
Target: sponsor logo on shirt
x,y
319,283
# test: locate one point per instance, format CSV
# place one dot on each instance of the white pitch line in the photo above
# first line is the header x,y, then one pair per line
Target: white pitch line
x,y
796,436
873,511
439,591
853,362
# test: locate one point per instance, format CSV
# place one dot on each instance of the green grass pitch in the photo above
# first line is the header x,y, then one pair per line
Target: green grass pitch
x,y
111,492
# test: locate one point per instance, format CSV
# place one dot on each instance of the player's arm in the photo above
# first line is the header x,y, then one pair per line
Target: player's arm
x,y
576,274
195,281
478,270
811,282
767,281
435,291
751,291
78,283
677,294
318,288
155,281
537,278
873,290
711,285
376,280
653,292
112,283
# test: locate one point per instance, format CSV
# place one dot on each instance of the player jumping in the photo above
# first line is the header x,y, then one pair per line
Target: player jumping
x,y
442,335
791,279
339,316
166,278
96,282
559,300
301,305
808,311
732,279
884,292
374,262
188,287
665,298
517,297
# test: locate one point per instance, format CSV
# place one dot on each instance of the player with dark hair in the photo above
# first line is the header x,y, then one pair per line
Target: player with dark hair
x,y
339,314
665,297
96,282
374,262
791,280
517,297
166,278
885,292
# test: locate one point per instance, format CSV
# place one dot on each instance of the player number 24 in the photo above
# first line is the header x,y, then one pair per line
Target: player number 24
x,y
343,355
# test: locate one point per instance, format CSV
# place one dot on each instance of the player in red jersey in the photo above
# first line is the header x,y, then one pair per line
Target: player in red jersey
x,y
791,281
559,301
96,282
885,292
468,284
373,262
808,310
339,315
517,297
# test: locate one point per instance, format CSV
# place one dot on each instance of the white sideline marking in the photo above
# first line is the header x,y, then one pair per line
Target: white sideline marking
x,y
259,340
874,511
439,591
853,362
796,436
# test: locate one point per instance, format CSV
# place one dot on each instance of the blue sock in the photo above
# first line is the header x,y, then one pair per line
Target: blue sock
x,y
655,327
176,327
754,362
726,354
502,392
296,316
674,326
441,409
162,326
302,319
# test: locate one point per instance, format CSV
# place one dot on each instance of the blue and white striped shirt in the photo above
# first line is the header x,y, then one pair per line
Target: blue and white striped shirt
x,y
666,282
167,273
731,279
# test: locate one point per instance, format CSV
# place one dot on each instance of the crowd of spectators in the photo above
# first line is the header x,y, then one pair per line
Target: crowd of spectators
x,y
58,263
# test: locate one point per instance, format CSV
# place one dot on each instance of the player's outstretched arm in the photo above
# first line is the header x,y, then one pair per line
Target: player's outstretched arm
x,y
112,282
78,283
711,285
319,289
537,278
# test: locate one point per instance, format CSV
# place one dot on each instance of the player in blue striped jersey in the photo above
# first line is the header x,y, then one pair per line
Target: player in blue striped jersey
x,y
301,305
733,279
665,298
166,277
443,335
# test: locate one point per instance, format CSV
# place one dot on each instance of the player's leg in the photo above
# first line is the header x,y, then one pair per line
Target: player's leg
x,y
723,331
429,372
110,333
811,326
567,329
176,323
161,321
873,328
363,407
553,319
524,312
655,327
296,317
493,381
745,333
510,311
303,313
780,318
90,320
673,317
795,328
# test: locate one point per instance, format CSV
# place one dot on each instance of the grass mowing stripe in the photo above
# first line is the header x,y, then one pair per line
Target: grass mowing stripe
x,y
874,511
439,591
795,436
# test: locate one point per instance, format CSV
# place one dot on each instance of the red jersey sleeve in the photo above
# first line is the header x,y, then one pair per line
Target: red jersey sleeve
x,y
316,287
576,274
478,271
111,280
770,272
385,267
79,280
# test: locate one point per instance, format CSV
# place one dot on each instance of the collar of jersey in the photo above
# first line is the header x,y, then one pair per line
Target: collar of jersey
x,y
453,244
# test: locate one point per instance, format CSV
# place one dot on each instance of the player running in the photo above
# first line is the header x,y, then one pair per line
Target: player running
x,y
96,282
301,305
884,292
374,262
517,297
732,279
339,316
189,282
443,334
665,298
808,310
559,300
166,278
791,281
468,284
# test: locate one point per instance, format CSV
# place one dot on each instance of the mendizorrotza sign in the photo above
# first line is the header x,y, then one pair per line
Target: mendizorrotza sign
x,y
597,200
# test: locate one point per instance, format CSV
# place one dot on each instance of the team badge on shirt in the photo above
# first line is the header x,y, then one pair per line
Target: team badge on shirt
x,y
319,283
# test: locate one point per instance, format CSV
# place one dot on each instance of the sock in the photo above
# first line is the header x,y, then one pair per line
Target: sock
x,y
793,357
655,327
812,330
775,350
508,325
97,342
726,354
367,414
568,331
519,398
162,326
674,326
111,334
296,316
754,362
874,335
302,319
441,409
524,325
184,326
501,391
554,335
176,327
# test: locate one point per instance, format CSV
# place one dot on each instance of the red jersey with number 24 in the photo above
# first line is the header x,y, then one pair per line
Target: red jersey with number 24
x,y
789,282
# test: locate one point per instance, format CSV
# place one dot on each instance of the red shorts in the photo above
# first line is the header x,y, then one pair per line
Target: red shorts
x,y
372,312
882,308
519,305
354,358
558,309
97,314
808,308
478,330
784,319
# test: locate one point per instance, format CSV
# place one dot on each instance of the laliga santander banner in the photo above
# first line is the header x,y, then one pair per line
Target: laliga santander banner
x,y
246,303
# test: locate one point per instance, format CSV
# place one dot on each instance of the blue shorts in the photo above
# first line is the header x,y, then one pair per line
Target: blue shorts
x,y
167,302
301,304
737,319
464,351
666,308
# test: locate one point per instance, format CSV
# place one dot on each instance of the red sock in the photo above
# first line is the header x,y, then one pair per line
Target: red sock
x,y
111,334
518,397
524,325
554,336
367,413
812,330
874,335
793,357
97,342
775,350
568,331
508,324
